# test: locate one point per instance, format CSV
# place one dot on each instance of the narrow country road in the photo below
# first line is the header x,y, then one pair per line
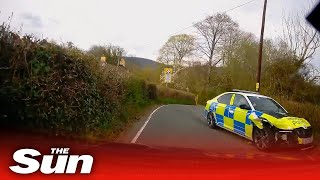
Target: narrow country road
x,y
184,126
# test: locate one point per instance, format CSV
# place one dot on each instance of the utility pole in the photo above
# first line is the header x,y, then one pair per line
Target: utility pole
x,y
261,46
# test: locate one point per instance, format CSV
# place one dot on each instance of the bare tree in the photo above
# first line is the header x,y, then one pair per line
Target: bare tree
x,y
176,50
230,42
310,73
165,55
302,39
212,31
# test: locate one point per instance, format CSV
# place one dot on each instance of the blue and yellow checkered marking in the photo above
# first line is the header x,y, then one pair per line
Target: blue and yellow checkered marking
x,y
220,109
226,112
240,115
229,111
248,121
213,107
239,127
234,118
219,119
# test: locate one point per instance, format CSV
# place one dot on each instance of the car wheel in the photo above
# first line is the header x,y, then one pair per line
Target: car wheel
x,y
263,138
211,121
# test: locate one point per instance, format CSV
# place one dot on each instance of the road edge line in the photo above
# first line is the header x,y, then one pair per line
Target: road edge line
x,y
144,125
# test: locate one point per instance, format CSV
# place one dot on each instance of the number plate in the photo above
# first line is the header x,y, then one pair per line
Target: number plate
x,y
306,140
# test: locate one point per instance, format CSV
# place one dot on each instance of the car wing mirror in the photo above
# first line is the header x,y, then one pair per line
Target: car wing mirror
x,y
244,106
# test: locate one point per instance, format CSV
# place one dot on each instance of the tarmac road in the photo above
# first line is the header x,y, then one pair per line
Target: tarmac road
x,y
172,141
184,126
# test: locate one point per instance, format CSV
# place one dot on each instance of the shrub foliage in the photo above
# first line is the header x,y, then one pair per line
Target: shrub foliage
x,y
64,90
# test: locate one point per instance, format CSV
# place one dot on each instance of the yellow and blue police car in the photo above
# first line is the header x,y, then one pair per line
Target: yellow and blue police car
x,y
258,118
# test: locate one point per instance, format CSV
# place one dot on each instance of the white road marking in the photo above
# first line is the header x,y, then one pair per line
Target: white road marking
x,y
144,125
307,148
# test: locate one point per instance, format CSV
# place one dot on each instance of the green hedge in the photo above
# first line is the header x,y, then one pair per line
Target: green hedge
x,y
173,96
63,90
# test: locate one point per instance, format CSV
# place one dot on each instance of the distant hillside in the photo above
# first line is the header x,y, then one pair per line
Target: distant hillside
x,y
142,63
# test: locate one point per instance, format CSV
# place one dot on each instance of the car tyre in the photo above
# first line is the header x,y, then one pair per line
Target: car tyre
x,y
263,138
211,121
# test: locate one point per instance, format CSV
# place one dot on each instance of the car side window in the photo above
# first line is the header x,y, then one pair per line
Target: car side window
x,y
225,99
240,100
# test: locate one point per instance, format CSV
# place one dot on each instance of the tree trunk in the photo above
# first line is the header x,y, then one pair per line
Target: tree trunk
x,y
210,67
209,75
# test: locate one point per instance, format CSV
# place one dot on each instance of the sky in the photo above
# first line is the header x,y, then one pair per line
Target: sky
x,y
139,26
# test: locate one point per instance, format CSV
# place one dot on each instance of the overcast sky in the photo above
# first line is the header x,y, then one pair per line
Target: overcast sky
x,y
139,26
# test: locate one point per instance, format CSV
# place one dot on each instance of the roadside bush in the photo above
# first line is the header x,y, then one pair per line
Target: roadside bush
x,y
50,87
137,93
306,110
64,90
173,96
152,91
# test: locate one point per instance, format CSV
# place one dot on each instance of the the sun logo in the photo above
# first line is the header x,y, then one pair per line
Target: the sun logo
x,y
65,163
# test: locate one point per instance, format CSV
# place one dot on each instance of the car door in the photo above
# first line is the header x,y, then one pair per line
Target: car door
x,y
241,121
222,111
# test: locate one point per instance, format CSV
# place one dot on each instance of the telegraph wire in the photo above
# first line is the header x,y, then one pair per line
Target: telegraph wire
x,y
236,7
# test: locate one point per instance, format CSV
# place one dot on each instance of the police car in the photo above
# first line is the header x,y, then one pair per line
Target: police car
x,y
258,118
